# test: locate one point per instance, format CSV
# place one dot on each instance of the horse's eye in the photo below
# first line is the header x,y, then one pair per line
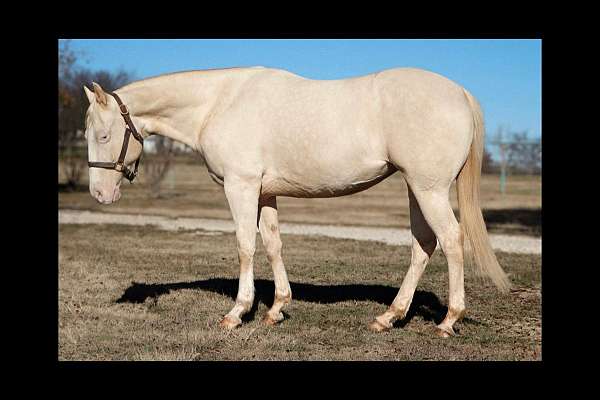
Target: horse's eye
x,y
103,137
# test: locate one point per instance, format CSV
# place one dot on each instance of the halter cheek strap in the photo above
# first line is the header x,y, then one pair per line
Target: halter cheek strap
x,y
129,130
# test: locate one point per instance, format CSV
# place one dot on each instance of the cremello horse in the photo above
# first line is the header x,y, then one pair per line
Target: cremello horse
x,y
265,133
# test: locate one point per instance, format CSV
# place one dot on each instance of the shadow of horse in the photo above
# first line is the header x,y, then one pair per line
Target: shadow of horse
x,y
527,219
424,304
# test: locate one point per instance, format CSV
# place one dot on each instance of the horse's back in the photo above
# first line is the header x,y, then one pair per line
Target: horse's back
x,y
330,138
323,137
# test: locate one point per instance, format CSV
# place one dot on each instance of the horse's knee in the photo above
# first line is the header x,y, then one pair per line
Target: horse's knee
x,y
245,252
452,244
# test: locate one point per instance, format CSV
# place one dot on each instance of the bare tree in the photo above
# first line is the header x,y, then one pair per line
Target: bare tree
x,y
158,164
524,155
487,165
73,166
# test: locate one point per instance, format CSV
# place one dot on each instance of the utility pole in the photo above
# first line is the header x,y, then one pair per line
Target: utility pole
x,y
504,146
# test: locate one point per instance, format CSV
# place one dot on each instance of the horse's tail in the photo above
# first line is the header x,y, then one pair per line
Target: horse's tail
x,y
471,218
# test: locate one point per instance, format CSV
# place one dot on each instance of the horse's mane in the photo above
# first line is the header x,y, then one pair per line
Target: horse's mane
x,y
171,74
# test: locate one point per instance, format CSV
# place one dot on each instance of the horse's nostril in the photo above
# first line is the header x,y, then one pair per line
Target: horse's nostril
x,y
99,195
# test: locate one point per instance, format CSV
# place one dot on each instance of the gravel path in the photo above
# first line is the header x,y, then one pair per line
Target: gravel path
x,y
395,236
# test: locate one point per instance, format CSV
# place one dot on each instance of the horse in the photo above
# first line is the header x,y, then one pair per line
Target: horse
x,y
265,132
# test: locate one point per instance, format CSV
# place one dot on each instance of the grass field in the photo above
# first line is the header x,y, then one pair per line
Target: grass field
x,y
138,293
189,192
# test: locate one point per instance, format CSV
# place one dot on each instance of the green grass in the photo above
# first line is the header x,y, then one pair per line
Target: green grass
x,y
138,293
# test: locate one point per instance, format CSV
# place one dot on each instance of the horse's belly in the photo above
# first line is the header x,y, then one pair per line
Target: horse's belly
x,y
313,184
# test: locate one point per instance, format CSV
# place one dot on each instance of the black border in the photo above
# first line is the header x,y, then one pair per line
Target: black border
x,y
46,336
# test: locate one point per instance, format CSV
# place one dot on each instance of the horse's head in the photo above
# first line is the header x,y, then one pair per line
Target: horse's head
x,y
105,131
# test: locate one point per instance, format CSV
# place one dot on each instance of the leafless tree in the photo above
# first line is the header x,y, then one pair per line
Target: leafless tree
x,y
487,165
524,155
67,102
157,165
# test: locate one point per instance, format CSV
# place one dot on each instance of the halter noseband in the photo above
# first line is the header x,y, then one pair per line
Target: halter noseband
x,y
130,129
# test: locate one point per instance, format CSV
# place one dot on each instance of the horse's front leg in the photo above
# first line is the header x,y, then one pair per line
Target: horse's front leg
x,y
242,195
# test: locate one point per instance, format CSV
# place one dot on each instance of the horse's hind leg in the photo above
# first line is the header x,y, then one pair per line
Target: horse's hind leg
x,y
436,208
423,246
269,231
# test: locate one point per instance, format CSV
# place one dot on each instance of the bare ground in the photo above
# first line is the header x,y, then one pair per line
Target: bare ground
x,y
138,293
394,236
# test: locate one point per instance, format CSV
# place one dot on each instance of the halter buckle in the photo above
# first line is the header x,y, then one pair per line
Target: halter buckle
x,y
119,167
123,109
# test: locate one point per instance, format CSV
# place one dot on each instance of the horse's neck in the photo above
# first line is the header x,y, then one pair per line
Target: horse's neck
x,y
177,106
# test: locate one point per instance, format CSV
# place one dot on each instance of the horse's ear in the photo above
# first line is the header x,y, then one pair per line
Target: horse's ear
x,y
89,94
100,95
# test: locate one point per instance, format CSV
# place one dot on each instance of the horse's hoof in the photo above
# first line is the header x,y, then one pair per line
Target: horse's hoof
x,y
444,331
377,326
230,322
269,320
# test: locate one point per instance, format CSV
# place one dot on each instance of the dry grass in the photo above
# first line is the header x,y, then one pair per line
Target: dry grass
x,y
188,191
185,281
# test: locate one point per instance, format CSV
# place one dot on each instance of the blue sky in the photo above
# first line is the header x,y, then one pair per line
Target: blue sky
x,y
504,75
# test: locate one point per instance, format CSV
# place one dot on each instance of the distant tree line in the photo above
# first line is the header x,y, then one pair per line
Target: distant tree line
x,y
72,105
524,155
521,154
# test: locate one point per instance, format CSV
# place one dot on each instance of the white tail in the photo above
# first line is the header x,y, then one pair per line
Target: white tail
x,y
471,219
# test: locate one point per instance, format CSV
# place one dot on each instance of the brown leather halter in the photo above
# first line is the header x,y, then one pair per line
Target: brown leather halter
x,y
130,129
